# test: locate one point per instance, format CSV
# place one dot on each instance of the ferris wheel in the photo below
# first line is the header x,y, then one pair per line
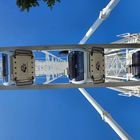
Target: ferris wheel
x,y
114,66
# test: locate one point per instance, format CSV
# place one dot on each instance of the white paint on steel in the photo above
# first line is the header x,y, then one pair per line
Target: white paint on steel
x,y
127,38
106,116
53,67
103,15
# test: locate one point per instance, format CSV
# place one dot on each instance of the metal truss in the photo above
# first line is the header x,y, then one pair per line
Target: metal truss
x,y
115,65
105,115
53,67
111,72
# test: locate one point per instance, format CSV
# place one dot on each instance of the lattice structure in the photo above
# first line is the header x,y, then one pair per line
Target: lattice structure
x,y
116,64
128,38
52,67
49,65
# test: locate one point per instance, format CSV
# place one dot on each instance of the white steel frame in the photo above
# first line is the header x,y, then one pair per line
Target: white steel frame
x,y
50,67
127,38
105,116
103,15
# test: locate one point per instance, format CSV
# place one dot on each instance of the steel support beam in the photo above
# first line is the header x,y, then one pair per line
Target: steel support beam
x,y
68,47
69,85
106,116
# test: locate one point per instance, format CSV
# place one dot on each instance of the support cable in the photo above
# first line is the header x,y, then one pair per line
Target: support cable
x,y
105,115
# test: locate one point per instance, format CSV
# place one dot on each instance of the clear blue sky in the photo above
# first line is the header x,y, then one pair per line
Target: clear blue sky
x,y
64,114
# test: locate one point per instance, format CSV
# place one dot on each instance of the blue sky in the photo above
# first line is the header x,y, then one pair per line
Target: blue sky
x,y
64,114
